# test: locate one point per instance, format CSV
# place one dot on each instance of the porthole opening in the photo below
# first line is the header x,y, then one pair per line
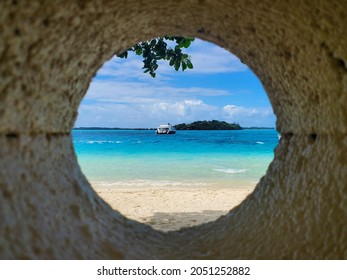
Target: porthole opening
x,y
193,176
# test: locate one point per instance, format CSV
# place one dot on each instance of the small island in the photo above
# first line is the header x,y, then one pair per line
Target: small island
x,y
208,125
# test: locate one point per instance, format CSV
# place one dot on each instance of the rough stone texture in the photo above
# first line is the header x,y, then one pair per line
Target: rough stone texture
x,y
49,51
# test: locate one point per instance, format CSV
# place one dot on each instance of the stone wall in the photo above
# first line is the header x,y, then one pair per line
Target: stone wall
x,y
50,50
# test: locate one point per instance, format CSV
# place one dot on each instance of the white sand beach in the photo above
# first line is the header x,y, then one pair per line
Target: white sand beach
x,y
168,209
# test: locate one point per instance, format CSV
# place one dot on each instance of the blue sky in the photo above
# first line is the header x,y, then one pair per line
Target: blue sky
x,y
219,87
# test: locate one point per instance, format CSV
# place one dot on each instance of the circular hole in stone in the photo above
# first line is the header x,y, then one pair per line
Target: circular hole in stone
x,y
193,176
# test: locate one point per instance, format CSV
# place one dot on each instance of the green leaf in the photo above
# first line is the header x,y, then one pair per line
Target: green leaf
x,y
146,52
184,66
189,64
138,51
178,50
177,65
186,43
179,40
153,42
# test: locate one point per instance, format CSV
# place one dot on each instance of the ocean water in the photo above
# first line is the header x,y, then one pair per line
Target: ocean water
x,y
137,158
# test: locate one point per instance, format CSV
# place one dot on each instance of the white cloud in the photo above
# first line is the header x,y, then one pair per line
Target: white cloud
x,y
194,102
248,116
152,114
141,92
120,68
211,59
138,114
233,110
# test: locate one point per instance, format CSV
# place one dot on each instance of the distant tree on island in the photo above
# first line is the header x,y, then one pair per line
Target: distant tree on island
x,y
208,125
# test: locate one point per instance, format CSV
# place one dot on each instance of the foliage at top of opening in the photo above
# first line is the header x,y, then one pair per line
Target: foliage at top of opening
x,y
157,49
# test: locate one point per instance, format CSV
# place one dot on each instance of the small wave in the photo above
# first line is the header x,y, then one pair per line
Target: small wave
x,y
231,171
259,142
146,183
97,142
103,142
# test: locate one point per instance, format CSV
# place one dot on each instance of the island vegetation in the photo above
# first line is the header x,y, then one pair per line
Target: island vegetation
x,y
208,125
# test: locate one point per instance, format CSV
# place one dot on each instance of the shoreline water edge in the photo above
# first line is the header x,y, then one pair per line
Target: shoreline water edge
x,y
174,181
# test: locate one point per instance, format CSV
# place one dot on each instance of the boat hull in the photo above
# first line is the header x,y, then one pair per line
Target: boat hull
x,y
169,132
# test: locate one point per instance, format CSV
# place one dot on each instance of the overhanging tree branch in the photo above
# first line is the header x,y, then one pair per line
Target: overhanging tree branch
x,y
157,49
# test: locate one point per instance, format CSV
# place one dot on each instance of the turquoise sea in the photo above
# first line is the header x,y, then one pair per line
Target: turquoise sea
x,y
137,158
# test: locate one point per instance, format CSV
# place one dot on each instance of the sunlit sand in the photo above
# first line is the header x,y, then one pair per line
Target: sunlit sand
x,y
168,209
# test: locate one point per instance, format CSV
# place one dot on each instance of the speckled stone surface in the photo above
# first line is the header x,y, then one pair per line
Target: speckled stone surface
x,y
50,50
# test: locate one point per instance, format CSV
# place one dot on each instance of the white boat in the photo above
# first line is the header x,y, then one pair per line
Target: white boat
x,y
165,129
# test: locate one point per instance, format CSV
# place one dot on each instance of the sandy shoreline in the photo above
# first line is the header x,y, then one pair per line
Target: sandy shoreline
x,y
173,208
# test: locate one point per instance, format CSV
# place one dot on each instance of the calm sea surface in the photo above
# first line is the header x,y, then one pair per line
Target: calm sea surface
x,y
189,158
